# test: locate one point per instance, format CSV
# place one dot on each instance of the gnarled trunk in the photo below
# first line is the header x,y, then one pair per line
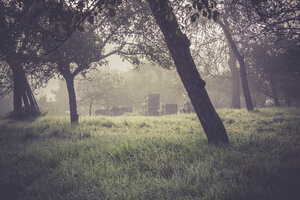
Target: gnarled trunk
x,y
72,98
178,45
243,72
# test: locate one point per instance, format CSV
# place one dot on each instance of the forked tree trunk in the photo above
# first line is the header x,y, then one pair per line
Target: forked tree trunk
x,y
72,98
243,72
178,45
235,81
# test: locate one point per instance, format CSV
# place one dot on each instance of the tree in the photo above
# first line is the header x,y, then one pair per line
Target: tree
x,y
75,56
178,45
213,57
105,87
255,22
19,49
240,58
274,71
235,82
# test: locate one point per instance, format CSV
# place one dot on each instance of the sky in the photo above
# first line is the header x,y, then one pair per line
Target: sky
x,y
115,62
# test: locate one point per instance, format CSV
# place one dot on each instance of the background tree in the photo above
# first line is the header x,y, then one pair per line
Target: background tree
x,y
105,87
215,61
75,56
274,70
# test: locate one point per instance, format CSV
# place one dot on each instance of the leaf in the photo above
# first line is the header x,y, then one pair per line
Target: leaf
x,y
188,8
111,12
205,2
215,15
119,2
80,28
209,14
112,2
90,19
80,5
194,17
194,4
199,6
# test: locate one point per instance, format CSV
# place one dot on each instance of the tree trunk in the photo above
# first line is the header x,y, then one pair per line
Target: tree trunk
x,y
274,92
90,109
178,45
29,94
235,81
22,91
72,98
25,99
243,72
17,91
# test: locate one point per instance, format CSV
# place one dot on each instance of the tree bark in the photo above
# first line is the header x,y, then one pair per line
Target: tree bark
x,y
22,91
25,99
235,81
178,45
29,94
17,91
72,98
243,72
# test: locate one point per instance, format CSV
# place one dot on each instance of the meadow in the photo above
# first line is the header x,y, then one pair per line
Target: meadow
x,y
164,157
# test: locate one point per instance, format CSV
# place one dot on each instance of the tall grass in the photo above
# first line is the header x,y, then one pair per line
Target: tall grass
x,y
166,157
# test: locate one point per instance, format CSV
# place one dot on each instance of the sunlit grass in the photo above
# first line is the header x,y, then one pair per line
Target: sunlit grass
x,y
137,157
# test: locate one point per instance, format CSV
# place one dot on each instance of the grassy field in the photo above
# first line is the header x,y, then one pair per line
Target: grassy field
x,y
166,157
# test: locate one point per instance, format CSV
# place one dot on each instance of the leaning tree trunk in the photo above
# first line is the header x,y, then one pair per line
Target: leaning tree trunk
x,y
178,45
72,98
235,81
243,72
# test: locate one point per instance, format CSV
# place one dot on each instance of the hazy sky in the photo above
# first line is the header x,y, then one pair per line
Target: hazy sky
x,y
115,62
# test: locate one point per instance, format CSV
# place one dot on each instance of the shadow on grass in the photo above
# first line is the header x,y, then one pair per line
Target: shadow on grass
x,y
26,114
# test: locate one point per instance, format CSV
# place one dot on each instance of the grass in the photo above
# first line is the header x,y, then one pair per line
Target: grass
x,y
166,157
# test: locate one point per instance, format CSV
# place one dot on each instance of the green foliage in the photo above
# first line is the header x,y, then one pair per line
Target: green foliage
x,y
137,157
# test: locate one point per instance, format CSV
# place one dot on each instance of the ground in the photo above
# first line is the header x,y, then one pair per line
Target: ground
x,y
166,157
